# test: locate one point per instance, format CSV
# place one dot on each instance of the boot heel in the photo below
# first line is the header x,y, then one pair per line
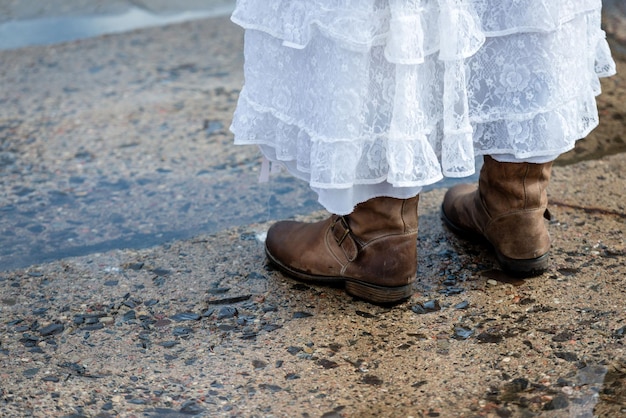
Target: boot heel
x,y
524,268
378,294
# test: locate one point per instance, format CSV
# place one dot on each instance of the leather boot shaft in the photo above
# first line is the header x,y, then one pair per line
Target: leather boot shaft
x,y
383,236
507,209
383,216
509,187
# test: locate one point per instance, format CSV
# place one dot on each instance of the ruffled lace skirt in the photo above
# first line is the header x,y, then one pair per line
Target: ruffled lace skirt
x,y
363,98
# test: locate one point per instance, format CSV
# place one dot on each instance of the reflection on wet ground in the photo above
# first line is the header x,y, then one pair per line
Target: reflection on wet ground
x,y
100,214
63,196
52,30
82,214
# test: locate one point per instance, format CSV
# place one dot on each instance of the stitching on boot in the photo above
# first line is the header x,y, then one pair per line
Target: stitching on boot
x,y
403,214
525,186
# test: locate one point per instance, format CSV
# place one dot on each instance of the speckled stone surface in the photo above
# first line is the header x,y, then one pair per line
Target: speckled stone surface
x,y
206,325
106,139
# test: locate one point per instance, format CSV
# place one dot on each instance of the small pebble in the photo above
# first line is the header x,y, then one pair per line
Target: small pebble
x,y
40,311
426,307
227,312
129,316
30,373
185,316
450,291
134,266
462,333
259,364
51,329
271,327
191,408
225,301
462,305
181,331
161,271
370,379
294,350
560,401
486,337
328,364
271,388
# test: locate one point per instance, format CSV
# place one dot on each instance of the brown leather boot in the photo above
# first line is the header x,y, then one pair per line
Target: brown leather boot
x,y
373,250
507,209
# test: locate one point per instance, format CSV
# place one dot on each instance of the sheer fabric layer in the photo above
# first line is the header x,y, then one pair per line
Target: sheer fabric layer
x,y
362,98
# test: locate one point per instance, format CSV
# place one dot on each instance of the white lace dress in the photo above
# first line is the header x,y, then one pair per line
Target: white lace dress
x,y
363,98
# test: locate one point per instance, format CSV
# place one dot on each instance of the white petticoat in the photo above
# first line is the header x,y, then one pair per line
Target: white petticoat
x,y
365,98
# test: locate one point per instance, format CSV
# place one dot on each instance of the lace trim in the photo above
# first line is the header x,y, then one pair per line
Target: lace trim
x,y
405,161
367,101
408,30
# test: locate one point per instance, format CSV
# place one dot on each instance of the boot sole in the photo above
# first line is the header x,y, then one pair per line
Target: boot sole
x,y
514,267
369,292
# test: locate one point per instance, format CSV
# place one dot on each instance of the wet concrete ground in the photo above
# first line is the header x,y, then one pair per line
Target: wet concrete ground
x,y
122,141
204,327
108,145
33,22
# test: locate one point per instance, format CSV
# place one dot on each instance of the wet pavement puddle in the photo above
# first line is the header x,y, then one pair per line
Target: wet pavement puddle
x,y
51,30
100,214
45,225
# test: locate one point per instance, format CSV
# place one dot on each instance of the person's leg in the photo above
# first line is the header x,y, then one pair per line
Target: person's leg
x,y
373,249
507,209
